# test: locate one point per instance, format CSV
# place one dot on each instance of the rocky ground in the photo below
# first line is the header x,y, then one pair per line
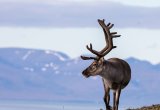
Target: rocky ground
x,y
153,107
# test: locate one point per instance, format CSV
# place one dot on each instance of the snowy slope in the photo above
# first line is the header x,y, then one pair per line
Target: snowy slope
x,y
51,75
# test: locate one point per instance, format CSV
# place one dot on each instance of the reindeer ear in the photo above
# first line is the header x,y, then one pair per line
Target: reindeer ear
x,y
101,60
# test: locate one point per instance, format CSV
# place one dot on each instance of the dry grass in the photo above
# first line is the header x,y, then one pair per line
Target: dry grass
x,y
153,107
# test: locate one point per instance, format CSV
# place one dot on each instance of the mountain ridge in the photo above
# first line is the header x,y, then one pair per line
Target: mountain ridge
x,y
50,75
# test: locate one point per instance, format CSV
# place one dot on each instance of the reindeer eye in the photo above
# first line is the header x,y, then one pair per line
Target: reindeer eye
x,y
94,66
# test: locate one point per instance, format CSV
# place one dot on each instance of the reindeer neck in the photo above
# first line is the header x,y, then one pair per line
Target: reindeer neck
x,y
106,67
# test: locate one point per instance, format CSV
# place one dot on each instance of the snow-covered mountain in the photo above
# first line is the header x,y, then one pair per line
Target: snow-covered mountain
x,y
50,75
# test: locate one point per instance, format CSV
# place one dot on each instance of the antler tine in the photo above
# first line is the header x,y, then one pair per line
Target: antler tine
x,y
113,34
88,58
93,51
110,26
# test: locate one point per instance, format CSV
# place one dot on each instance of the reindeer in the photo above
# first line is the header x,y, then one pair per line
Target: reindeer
x,y
115,72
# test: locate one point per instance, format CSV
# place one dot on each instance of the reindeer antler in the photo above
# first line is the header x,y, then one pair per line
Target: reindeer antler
x,y
108,38
88,58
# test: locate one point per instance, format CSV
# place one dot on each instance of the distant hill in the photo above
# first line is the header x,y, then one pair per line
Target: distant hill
x,y
153,107
49,75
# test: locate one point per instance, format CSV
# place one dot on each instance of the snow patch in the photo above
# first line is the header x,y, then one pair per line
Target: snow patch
x,y
52,65
27,54
29,69
49,52
59,56
56,54
47,65
43,69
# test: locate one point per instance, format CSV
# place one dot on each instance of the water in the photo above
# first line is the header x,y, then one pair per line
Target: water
x,y
40,105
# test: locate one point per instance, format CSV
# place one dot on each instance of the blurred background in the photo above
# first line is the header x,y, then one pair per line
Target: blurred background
x,y
41,41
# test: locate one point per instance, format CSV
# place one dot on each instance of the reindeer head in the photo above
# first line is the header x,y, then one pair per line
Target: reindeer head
x,y
94,69
97,66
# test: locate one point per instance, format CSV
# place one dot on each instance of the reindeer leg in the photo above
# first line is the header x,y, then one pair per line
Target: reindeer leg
x,y
107,99
106,96
116,95
117,98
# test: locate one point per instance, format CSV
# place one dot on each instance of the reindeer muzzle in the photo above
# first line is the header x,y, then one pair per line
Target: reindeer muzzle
x,y
84,73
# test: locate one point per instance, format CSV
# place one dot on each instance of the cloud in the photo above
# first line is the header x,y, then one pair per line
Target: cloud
x,y
76,14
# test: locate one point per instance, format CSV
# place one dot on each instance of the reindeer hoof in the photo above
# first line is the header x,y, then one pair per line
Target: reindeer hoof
x,y
109,108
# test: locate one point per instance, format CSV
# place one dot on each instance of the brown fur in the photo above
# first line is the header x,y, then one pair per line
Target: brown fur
x,y
115,73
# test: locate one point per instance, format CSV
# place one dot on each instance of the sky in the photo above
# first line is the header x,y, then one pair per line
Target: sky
x,y
69,25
